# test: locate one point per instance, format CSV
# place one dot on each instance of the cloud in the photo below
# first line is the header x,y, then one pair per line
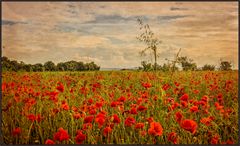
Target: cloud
x,y
174,17
9,22
178,9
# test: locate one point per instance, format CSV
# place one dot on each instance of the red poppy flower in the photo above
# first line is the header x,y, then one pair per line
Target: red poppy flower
x,y
207,121
204,98
114,104
90,101
76,115
31,117
184,104
133,111
100,119
139,126
141,108
39,118
99,104
143,133
92,112
146,85
17,131
129,121
116,119
229,141
184,97
80,137
189,125
178,117
166,87
155,129
172,137
87,126
49,141
60,87
61,135
194,109
214,139
107,131
150,119
121,99
88,119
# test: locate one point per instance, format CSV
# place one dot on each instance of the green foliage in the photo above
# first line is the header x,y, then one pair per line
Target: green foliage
x,y
49,66
150,67
225,65
208,67
187,64
13,65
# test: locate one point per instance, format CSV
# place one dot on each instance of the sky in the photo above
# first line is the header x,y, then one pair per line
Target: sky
x,y
105,32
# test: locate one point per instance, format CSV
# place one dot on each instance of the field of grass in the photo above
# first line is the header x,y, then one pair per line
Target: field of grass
x,y
120,107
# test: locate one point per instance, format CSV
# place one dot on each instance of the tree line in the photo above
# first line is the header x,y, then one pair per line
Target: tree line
x,y
186,64
13,65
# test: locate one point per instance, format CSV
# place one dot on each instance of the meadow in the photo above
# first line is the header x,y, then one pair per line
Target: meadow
x,y
120,107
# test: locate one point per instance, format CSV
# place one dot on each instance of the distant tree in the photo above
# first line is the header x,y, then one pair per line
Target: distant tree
x,y
61,66
208,67
37,67
225,65
147,36
5,62
14,65
187,64
27,67
49,66
146,66
80,66
71,65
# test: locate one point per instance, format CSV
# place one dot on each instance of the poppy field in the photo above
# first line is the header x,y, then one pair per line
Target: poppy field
x,y
120,107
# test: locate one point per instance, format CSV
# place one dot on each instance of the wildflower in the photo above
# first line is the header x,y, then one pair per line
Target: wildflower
x,y
17,131
141,108
87,126
155,129
80,137
88,119
107,131
146,85
100,119
76,115
184,97
122,99
61,135
99,104
214,139
194,109
172,137
178,117
49,141
39,118
139,126
31,117
133,111
60,87
116,119
166,87
189,125
114,104
150,119
206,121
129,121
